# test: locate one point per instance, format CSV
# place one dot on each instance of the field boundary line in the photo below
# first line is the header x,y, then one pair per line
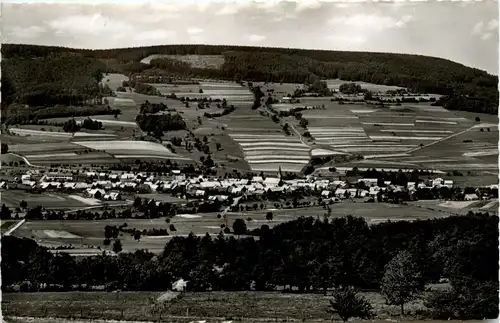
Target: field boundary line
x,y
15,227
442,139
26,160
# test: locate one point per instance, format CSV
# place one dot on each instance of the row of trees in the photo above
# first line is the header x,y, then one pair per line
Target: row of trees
x,y
399,258
72,126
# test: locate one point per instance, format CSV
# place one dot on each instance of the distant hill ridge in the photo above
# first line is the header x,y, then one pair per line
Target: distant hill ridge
x,y
464,88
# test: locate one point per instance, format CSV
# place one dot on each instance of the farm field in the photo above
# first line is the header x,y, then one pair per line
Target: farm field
x,y
131,149
247,306
422,136
232,92
60,153
460,207
336,83
12,198
84,233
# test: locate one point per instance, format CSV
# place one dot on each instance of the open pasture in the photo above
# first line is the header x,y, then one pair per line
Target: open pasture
x,y
128,147
61,153
114,80
467,149
220,307
12,198
91,233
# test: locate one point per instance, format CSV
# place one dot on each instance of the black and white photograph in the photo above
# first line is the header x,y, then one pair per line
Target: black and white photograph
x,y
243,161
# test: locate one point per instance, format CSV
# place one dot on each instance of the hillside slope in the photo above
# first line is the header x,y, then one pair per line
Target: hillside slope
x,y
464,88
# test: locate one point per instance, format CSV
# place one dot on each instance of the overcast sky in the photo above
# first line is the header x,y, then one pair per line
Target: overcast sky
x,y
466,32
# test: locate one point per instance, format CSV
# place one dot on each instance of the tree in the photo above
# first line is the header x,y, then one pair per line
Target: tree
x,y
218,146
401,281
117,246
5,148
269,216
346,303
239,227
137,202
23,204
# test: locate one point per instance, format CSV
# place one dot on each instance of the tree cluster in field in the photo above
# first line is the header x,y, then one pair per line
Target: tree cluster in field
x,y
258,95
315,87
72,126
226,110
18,114
149,107
5,148
146,89
398,258
159,123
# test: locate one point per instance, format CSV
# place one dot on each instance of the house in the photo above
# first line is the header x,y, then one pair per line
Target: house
x,y
286,99
113,177
471,197
81,185
113,196
91,174
127,177
271,181
210,184
96,193
199,193
3,184
69,185
257,179
340,192
325,193
448,183
25,179
368,181
179,285
437,181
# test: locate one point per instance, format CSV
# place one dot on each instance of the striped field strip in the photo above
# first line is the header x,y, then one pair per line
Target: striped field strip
x,y
435,121
388,124
275,148
416,131
291,161
406,138
270,143
263,157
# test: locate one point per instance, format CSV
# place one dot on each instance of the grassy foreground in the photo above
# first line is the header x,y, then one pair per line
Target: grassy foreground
x,y
212,306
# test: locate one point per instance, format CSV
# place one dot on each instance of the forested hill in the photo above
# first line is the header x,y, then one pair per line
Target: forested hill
x,y
466,88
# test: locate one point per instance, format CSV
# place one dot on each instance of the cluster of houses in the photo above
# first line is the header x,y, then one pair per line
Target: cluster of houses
x,y
112,185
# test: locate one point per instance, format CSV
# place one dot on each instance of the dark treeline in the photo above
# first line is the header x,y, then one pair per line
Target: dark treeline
x,y
465,88
32,115
49,80
305,254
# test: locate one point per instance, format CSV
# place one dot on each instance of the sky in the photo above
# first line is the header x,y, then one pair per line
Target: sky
x,y
464,31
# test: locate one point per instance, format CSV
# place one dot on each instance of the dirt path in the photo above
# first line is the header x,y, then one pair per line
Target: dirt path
x,y
14,228
26,161
443,139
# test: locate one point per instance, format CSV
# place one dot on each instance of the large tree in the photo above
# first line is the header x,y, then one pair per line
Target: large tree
x,y
347,303
401,281
239,227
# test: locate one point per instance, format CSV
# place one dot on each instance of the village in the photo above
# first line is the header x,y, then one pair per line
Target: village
x,y
95,187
